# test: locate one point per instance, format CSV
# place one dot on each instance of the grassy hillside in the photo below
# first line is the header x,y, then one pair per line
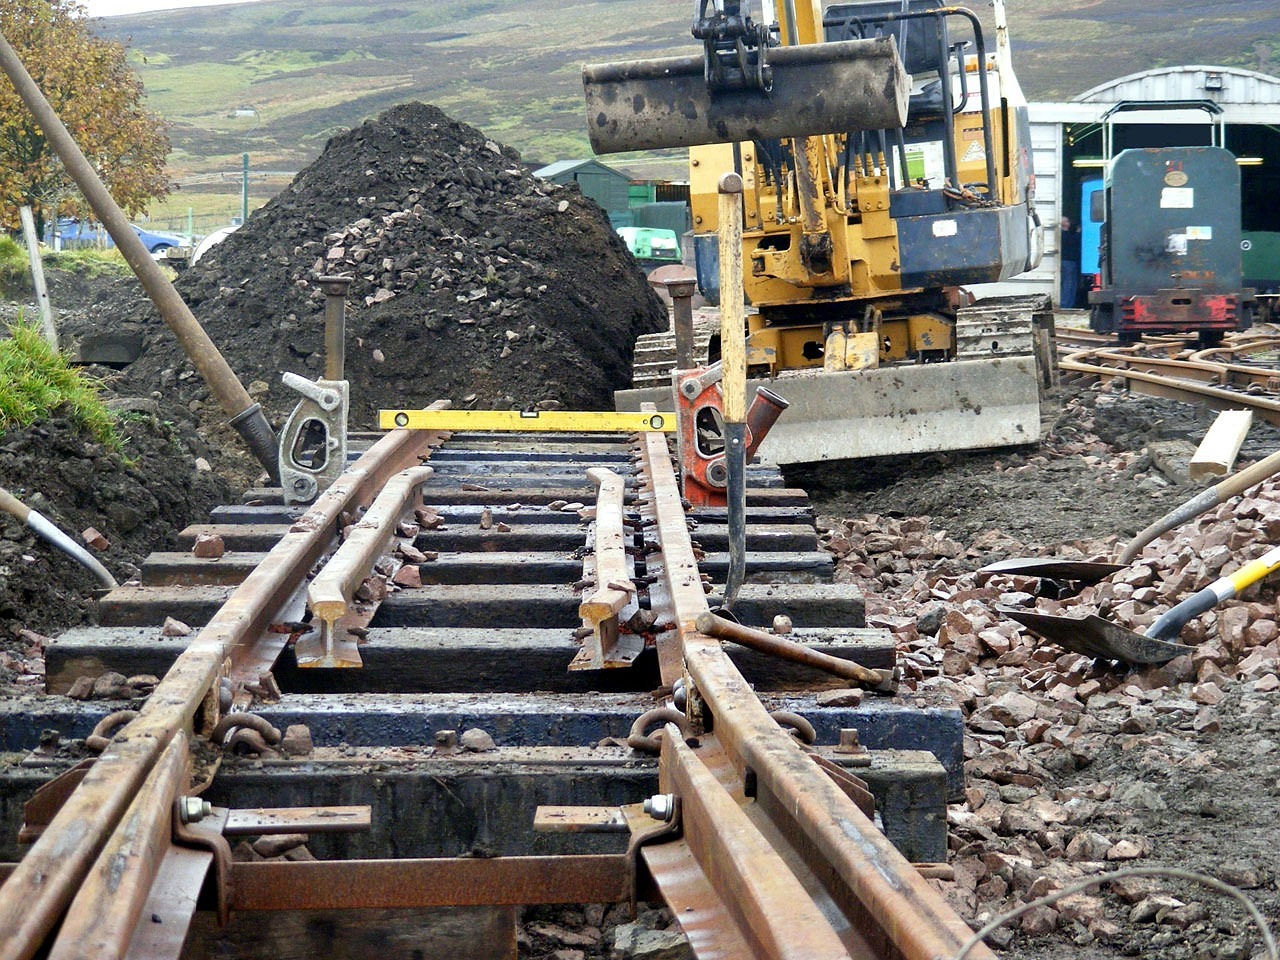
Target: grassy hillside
x,y
299,71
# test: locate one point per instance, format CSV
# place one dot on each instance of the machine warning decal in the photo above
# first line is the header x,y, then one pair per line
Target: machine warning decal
x,y
1178,198
1176,178
944,228
1199,233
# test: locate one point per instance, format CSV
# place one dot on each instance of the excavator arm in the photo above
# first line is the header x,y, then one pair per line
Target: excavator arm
x,y
752,81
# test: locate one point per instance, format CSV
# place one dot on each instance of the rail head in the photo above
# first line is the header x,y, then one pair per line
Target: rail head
x,y
614,589
333,588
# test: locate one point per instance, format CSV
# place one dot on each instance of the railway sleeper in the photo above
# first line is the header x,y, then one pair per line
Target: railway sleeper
x,y
484,804
443,659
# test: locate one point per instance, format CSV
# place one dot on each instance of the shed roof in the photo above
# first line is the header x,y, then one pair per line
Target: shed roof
x,y
561,167
1187,82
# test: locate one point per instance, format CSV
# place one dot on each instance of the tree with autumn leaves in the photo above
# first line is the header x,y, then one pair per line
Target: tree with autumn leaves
x,y
99,97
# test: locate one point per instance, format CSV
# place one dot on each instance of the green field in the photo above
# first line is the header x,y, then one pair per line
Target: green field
x,y
278,78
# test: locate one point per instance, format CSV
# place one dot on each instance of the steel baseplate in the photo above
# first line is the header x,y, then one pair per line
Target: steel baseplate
x,y
961,405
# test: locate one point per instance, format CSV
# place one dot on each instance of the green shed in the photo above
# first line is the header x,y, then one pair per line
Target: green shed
x,y
604,185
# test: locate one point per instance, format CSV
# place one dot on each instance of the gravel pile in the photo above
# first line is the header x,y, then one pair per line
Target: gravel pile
x,y
1076,767
472,280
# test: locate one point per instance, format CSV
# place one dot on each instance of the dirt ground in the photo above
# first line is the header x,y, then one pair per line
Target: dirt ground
x,y
1075,767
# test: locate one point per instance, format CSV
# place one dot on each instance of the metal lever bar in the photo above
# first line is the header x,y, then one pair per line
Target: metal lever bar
x,y
722,629
733,386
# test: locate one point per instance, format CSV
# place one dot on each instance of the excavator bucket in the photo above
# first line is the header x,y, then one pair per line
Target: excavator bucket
x,y
817,88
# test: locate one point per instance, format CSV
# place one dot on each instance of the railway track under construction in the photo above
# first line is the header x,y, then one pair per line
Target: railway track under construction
x,y
480,671
1240,373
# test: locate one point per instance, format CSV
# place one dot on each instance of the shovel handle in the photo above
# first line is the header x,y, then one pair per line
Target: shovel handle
x,y
1237,483
13,506
1224,588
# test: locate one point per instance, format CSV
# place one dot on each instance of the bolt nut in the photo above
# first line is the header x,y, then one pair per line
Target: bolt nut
x,y
849,742
226,693
661,806
193,809
679,694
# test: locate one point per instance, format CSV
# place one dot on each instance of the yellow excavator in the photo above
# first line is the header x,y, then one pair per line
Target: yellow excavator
x,y
886,161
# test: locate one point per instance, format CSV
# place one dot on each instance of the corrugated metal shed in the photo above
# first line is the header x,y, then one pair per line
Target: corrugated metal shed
x,y
1245,96
1232,87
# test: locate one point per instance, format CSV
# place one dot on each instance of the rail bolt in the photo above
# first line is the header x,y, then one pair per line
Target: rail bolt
x,y
661,806
193,809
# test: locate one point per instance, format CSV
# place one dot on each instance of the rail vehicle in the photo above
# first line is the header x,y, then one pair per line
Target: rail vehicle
x,y
1170,251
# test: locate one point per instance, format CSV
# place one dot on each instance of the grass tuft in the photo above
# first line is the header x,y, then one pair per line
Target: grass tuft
x,y
37,381
13,261
88,262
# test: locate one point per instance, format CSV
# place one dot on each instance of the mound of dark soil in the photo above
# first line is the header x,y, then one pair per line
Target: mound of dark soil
x,y
472,280
138,501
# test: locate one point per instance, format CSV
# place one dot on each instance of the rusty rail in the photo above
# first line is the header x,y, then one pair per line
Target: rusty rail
x,y
884,902
42,886
330,594
614,589
1188,381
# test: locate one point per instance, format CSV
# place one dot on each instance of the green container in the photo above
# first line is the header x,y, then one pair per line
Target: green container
x,y
1260,251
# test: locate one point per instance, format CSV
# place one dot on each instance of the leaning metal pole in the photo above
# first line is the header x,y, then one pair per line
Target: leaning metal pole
x,y
733,386
246,416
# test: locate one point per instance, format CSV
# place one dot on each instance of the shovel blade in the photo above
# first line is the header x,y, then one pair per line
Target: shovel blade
x,y
1095,637
817,88
1085,571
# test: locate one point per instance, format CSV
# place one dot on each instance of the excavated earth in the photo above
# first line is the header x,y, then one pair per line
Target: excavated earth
x,y
472,280
475,282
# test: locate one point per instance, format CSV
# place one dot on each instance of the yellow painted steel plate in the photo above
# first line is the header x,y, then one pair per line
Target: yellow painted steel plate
x,y
546,421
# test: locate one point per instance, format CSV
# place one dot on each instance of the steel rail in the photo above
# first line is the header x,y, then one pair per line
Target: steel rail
x,y
1146,382
1214,373
1236,346
333,588
42,886
102,917
880,893
614,588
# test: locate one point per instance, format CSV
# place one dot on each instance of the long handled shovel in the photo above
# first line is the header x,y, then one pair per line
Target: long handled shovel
x,y
46,530
1096,637
1091,571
